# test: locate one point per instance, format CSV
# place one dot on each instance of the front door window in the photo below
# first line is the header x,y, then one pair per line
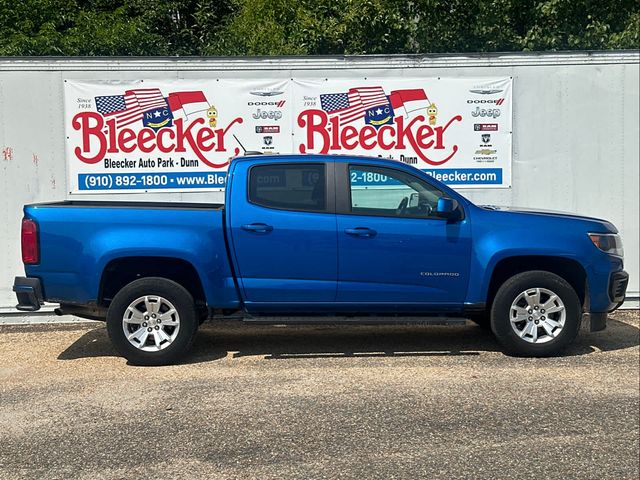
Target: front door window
x,y
391,193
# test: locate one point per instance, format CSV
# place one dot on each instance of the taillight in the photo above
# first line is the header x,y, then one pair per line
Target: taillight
x,y
29,240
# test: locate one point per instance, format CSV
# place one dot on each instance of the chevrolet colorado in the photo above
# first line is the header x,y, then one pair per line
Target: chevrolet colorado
x,y
320,238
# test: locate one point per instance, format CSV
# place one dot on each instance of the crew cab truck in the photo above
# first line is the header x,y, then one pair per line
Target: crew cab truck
x,y
323,236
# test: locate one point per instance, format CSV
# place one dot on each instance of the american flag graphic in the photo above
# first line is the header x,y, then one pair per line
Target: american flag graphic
x,y
351,106
128,108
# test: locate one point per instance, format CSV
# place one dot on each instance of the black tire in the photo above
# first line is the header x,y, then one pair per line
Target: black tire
x,y
507,294
184,306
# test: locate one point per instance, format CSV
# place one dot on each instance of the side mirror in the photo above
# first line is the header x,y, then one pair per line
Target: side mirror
x,y
447,207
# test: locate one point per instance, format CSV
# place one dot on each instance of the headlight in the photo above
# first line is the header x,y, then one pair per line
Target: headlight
x,y
610,243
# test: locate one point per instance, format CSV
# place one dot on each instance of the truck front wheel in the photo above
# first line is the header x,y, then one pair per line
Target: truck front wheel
x,y
535,314
152,321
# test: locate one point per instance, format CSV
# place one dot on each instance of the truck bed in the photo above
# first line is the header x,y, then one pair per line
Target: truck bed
x,y
79,238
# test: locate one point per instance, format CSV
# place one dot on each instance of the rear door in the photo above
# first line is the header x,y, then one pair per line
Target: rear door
x,y
393,248
283,231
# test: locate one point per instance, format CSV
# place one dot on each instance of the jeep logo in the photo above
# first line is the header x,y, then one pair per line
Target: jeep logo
x,y
486,112
267,114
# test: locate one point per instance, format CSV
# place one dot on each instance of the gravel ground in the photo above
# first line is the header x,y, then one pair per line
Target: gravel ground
x,y
319,402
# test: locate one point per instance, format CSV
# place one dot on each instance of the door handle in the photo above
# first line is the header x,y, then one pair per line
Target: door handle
x,y
361,232
257,227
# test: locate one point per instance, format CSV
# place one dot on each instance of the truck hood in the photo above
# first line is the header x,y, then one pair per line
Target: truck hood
x,y
552,213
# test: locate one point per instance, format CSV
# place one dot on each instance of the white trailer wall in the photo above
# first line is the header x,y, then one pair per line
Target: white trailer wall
x,y
575,129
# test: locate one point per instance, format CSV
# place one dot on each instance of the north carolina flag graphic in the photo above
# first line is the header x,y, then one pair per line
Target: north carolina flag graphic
x,y
409,100
188,102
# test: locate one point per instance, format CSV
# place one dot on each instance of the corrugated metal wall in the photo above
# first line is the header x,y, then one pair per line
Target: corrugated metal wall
x,y
575,140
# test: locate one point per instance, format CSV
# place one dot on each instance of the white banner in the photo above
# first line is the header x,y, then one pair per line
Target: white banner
x,y
179,135
458,130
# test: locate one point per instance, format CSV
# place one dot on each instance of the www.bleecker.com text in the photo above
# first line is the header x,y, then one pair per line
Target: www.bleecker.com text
x,y
150,163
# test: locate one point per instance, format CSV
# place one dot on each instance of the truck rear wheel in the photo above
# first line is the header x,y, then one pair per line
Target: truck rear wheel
x,y
535,314
152,321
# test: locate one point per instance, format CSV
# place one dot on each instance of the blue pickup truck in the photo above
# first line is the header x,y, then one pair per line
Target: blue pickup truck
x,y
321,238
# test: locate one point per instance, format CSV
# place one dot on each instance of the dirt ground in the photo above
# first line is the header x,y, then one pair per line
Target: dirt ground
x,y
307,402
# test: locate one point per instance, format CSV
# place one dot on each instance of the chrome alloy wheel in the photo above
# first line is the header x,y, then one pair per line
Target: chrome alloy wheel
x,y
151,323
537,315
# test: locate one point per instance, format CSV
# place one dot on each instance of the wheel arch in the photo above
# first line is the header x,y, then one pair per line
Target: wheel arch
x,y
121,271
567,268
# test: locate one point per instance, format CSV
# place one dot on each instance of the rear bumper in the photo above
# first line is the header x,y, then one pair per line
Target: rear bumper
x,y
29,293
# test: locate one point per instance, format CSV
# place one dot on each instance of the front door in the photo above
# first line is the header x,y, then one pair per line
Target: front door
x,y
283,230
393,248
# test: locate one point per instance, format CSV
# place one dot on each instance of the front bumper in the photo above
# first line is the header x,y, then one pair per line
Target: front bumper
x,y
617,290
29,293
618,287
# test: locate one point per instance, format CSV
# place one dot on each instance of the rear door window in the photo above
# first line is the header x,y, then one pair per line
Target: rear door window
x,y
289,186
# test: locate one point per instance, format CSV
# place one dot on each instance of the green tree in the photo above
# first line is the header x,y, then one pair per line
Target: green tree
x,y
461,26
298,27
582,24
312,27
108,27
33,27
277,27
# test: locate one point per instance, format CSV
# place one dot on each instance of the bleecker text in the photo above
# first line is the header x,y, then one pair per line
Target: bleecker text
x,y
324,135
100,137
